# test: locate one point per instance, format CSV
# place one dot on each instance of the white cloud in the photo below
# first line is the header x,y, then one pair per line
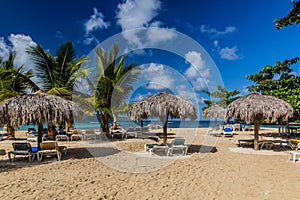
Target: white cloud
x,y
198,73
20,43
157,34
229,53
214,32
135,13
135,16
4,49
216,43
158,77
95,22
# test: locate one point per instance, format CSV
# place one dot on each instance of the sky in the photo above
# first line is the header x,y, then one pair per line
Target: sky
x,y
181,46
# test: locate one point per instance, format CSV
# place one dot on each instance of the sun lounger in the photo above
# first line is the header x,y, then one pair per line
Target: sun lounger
x,y
293,155
246,142
177,143
22,148
51,149
228,132
153,147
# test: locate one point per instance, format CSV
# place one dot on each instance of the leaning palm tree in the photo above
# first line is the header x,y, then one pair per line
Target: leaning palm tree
x,y
57,74
110,79
13,82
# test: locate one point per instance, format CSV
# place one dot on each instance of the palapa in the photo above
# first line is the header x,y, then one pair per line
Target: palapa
x,y
163,105
215,112
254,107
38,108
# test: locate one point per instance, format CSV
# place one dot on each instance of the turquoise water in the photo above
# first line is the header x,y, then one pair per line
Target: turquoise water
x,y
126,124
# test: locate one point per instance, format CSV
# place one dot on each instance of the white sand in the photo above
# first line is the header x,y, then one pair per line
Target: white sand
x,y
121,170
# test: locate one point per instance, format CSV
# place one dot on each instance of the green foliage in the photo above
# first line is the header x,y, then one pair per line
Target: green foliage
x,y
14,81
291,18
57,74
221,97
279,81
112,79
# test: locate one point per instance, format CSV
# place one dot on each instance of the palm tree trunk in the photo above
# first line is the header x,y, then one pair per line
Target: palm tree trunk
x,y
10,132
256,127
51,131
69,125
115,125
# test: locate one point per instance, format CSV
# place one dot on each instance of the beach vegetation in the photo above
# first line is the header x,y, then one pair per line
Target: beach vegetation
x,y
57,74
293,17
110,80
220,96
14,81
279,81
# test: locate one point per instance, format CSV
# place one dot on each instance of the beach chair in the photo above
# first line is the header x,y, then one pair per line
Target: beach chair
x,y
50,148
295,153
153,147
22,148
228,132
177,143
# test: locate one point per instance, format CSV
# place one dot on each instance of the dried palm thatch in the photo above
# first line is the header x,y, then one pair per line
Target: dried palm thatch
x,y
163,105
254,107
214,111
37,108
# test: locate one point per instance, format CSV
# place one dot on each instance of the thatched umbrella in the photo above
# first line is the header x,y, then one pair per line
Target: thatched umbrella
x,y
38,108
215,112
254,107
163,105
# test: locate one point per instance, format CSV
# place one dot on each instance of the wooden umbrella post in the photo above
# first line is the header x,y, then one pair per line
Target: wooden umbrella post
x,y
40,136
256,127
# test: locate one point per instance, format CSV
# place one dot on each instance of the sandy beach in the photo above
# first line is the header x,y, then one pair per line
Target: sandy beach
x,y
214,168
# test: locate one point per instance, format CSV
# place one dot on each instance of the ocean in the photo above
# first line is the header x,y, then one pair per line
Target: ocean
x,y
171,124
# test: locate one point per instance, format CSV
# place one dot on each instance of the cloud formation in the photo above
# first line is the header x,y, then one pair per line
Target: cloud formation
x,y
95,22
135,16
214,32
198,73
158,77
229,53
17,43
226,53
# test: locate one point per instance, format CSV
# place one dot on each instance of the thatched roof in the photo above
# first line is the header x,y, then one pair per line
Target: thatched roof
x,y
256,105
37,108
162,105
214,111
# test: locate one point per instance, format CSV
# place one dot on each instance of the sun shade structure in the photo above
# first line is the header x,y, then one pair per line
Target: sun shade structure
x,y
38,108
254,107
215,112
163,105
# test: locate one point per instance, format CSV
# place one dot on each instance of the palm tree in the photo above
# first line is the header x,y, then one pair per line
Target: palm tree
x,y
57,74
13,82
110,79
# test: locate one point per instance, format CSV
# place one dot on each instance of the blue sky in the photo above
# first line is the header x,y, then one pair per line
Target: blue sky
x,y
238,35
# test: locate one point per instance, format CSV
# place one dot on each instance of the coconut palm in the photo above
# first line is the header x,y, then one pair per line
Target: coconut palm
x,y
13,82
163,106
57,74
110,79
